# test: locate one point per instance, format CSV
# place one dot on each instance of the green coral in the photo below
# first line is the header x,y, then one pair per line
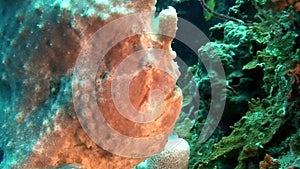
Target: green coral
x,y
295,144
268,46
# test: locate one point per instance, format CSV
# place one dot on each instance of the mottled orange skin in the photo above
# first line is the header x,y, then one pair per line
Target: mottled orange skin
x,y
282,4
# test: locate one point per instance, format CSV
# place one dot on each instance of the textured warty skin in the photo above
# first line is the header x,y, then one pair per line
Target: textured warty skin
x,y
39,125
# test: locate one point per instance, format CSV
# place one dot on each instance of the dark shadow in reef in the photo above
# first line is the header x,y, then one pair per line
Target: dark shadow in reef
x,y
1,155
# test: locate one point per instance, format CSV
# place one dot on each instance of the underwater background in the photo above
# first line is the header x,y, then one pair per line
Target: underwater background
x,y
257,42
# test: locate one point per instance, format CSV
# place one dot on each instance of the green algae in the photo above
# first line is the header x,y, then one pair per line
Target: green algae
x,y
211,4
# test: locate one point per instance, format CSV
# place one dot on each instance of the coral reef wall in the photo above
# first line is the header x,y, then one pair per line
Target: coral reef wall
x,y
261,118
